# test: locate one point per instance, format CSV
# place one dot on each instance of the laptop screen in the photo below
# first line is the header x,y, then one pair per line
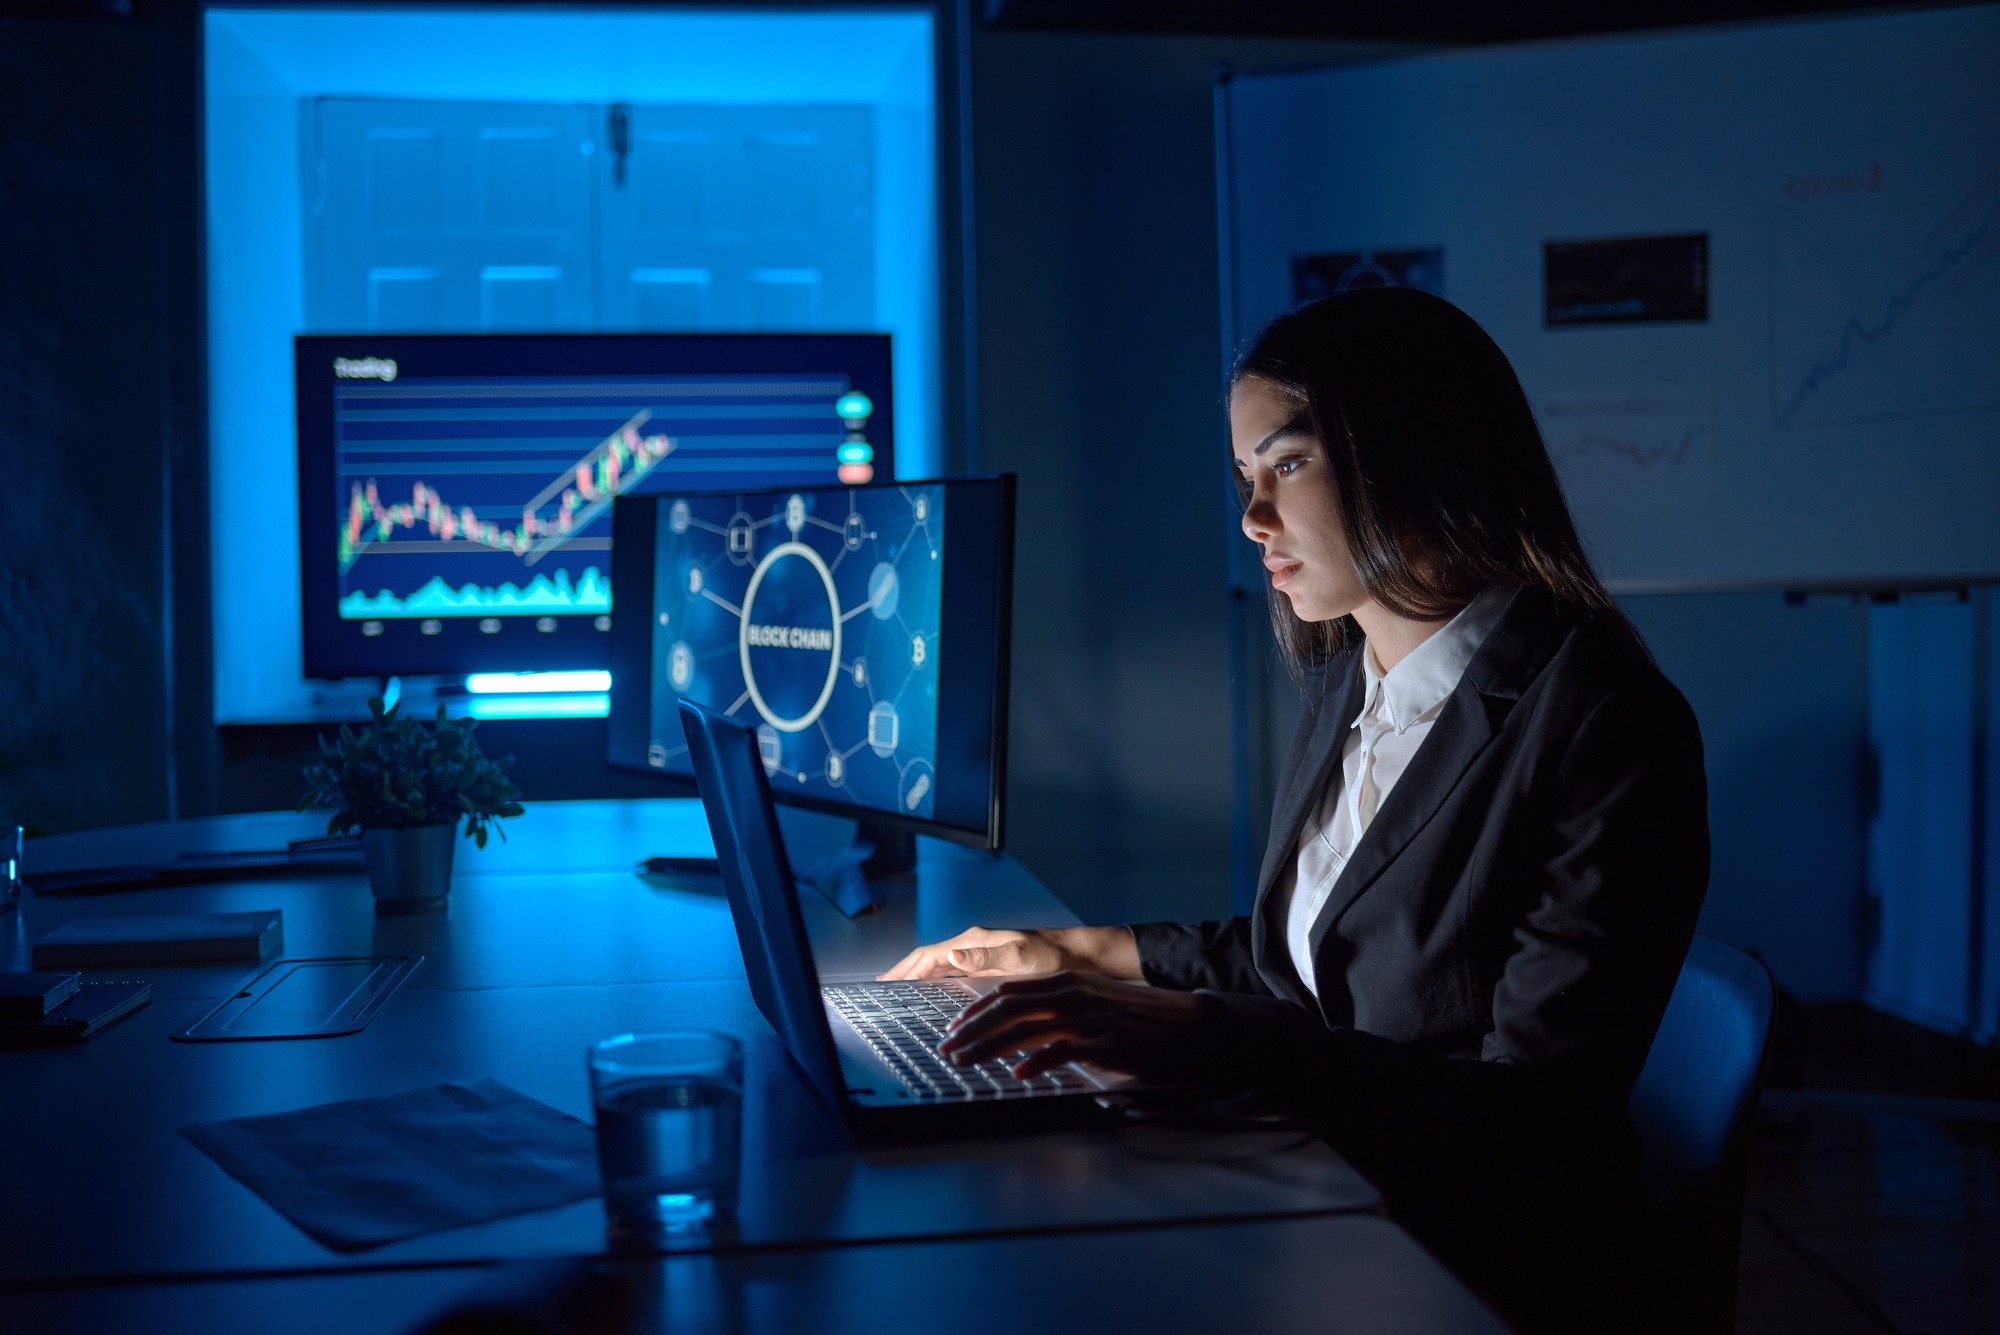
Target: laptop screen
x,y
750,853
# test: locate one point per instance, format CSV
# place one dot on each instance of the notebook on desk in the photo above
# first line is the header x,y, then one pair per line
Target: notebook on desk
x,y
869,1048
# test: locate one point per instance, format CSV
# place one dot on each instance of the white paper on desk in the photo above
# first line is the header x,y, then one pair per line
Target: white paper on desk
x,y
363,1172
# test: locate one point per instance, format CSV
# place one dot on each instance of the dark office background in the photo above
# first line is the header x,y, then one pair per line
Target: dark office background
x,y
1096,328
1096,337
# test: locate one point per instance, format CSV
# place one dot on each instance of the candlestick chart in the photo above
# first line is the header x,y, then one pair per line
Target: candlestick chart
x,y
491,497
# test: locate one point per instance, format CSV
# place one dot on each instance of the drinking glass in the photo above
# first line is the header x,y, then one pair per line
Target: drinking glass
x,y
669,1128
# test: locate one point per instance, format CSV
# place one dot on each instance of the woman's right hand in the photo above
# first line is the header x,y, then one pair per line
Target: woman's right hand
x,y
983,952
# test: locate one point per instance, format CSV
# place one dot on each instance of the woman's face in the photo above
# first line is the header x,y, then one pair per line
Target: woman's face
x,y
1293,513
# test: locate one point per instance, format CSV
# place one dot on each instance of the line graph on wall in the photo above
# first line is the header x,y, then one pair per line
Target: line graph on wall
x,y
1885,300
468,497
1643,451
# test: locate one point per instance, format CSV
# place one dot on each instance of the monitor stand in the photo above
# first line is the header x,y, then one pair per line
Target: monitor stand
x,y
850,879
895,850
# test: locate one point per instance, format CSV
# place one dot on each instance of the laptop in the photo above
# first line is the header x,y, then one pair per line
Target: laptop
x,y
870,1048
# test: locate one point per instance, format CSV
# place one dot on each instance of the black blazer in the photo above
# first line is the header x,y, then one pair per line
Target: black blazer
x,y
1525,896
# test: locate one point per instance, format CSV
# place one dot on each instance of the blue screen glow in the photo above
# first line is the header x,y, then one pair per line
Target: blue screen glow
x,y
815,615
277,82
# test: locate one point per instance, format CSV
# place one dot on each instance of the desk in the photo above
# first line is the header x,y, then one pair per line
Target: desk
x,y
550,942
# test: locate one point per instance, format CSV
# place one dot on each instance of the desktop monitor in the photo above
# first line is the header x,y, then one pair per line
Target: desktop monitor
x,y
455,490
863,631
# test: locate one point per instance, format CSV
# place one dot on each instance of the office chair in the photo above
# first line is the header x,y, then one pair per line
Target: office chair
x,y
1695,1106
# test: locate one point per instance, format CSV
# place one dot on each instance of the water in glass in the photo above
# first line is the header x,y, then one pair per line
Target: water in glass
x,y
669,1127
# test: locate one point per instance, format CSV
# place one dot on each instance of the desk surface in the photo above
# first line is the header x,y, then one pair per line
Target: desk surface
x,y
557,904
1341,1274
551,942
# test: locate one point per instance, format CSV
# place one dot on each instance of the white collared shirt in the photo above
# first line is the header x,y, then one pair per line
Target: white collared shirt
x,y
1396,715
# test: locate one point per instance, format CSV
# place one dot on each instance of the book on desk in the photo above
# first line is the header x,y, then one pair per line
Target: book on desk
x,y
173,938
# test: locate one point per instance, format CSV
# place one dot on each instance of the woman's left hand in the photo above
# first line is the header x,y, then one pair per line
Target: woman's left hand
x,y
1119,1026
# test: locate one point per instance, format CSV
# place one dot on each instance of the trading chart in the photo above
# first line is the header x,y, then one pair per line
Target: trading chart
x,y
490,497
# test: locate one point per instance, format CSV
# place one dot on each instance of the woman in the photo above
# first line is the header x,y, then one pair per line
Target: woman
x,y
1490,839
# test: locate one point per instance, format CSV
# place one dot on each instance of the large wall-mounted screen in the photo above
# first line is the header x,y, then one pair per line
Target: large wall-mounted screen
x,y
456,491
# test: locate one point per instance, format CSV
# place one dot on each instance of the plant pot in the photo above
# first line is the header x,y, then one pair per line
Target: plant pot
x,y
410,869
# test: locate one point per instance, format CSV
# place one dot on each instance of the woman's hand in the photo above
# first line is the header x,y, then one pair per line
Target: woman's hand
x,y
1147,1032
982,952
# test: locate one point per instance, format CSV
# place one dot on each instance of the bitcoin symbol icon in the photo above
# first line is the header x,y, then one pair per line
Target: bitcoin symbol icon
x,y
917,651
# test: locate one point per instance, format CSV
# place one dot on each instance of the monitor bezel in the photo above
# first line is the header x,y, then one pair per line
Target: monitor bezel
x,y
973,690
334,648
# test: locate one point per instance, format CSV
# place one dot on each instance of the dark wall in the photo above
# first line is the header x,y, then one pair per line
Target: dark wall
x,y
1781,691
1098,324
99,373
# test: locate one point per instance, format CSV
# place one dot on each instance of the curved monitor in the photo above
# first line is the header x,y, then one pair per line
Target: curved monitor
x,y
455,490
862,631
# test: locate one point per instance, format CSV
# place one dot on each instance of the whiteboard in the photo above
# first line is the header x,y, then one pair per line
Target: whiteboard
x,y
1835,418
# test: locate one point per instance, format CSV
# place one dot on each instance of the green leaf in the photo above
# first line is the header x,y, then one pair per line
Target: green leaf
x,y
398,771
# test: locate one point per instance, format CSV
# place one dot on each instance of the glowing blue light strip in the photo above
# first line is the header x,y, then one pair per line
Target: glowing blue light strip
x,y
518,683
540,706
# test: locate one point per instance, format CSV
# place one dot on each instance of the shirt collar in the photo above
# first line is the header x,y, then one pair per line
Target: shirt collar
x,y
1431,671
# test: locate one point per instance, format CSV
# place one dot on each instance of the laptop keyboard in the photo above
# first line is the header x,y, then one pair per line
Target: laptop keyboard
x,y
904,1022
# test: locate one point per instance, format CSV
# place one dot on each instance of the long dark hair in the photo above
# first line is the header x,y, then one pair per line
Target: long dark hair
x,y
1444,484
1443,480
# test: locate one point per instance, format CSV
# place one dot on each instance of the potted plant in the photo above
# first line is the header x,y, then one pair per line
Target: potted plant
x,y
404,786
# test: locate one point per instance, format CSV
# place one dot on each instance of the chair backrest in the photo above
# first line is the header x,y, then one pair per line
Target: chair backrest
x,y
1695,1107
